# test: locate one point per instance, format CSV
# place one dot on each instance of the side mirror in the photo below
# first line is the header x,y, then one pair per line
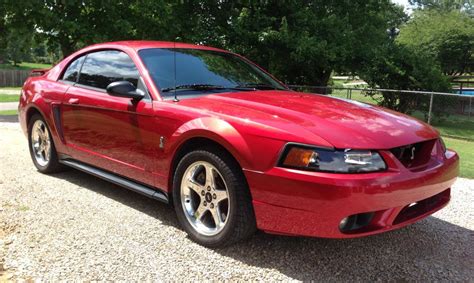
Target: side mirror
x,y
125,89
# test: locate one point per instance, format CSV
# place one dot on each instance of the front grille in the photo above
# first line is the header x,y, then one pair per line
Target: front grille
x,y
414,155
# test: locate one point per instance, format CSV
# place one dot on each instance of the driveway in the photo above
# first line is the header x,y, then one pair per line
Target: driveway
x,y
74,226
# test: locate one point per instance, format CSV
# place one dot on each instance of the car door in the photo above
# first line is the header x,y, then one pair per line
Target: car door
x,y
113,133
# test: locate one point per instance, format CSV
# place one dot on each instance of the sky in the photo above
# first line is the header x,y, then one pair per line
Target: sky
x,y
403,3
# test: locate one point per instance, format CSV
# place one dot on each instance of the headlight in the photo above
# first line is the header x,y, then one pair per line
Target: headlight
x,y
443,145
327,160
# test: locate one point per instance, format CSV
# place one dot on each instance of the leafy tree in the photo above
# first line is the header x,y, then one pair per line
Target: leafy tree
x,y
298,41
448,36
445,5
75,24
18,46
398,67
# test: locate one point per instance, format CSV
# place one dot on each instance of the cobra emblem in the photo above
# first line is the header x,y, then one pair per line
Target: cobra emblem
x,y
412,153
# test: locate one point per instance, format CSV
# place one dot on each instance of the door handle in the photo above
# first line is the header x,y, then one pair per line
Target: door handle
x,y
73,100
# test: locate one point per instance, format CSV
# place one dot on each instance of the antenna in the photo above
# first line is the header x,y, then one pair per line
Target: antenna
x,y
174,59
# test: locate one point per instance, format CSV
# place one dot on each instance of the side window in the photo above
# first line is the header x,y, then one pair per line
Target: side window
x,y
72,71
104,67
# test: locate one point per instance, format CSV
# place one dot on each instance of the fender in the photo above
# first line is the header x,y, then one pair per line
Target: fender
x,y
216,130
38,104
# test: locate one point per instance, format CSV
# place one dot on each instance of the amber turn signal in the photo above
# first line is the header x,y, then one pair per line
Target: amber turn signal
x,y
299,157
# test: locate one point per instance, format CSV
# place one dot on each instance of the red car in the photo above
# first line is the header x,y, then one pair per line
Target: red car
x,y
232,148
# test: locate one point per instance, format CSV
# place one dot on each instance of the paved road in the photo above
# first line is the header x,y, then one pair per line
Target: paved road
x,y
8,106
75,226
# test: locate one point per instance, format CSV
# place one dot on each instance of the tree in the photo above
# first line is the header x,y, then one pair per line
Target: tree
x,y
303,42
18,46
448,36
399,67
445,5
75,24
300,41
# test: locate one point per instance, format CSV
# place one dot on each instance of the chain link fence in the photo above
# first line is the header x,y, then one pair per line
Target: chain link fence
x,y
451,113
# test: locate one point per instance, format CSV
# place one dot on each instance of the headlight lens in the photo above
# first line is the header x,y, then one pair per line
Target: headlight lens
x,y
443,145
336,161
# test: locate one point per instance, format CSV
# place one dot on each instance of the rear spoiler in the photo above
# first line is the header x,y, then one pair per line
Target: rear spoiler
x,y
38,72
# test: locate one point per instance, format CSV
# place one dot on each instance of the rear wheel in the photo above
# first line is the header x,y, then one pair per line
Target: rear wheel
x,y
42,150
212,199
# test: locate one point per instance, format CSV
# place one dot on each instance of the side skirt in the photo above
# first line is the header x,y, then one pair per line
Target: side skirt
x,y
118,180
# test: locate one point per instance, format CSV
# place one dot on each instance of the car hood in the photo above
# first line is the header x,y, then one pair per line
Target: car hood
x,y
302,117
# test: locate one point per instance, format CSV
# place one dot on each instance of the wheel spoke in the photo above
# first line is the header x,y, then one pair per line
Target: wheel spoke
x,y
220,195
36,145
46,134
200,211
210,180
215,212
191,184
47,148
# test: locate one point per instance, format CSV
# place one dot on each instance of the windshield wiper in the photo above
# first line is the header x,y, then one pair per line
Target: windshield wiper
x,y
257,86
192,87
204,87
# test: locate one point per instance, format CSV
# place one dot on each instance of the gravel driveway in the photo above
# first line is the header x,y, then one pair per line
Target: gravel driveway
x,y
75,226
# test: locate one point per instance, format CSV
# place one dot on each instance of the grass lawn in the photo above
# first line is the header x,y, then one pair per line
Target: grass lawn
x,y
25,66
456,126
8,112
465,149
9,98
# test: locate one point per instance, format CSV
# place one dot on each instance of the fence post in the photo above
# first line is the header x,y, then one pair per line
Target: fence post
x,y
347,95
470,106
431,108
350,93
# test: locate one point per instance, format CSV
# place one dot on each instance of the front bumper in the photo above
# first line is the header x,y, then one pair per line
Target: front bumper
x,y
294,202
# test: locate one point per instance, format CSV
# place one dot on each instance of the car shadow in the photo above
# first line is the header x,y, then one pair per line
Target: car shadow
x,y
432,248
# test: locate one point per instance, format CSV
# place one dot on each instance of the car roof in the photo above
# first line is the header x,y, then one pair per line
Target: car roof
x,y
146,44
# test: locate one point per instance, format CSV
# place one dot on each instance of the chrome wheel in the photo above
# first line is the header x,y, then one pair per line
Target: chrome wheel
x,y
41,143
205,198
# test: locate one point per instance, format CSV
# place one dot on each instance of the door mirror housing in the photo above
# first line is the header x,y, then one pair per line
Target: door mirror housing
x,y
125,89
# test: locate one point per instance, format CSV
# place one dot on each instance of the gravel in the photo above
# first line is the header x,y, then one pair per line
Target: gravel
x,y
72,226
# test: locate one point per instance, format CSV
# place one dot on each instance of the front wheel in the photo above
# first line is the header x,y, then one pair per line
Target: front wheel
x,y
212,199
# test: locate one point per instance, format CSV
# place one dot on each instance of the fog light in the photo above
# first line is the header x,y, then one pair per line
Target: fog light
x,y
355,222
343,223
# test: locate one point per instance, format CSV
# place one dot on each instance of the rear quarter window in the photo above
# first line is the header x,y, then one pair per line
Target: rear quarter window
x,y
104,67
72,72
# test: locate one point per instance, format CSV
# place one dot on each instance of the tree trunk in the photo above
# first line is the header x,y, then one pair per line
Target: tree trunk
x,y
67,47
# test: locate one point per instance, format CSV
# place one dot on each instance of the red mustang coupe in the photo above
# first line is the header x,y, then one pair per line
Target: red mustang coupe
x,y
232,148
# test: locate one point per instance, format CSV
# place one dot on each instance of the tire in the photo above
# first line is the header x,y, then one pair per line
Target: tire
x,y
42,149
235,214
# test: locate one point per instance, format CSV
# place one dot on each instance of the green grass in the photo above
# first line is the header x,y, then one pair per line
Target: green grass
x,y
354,95
9,98
465,149
8,112
456,126
25,66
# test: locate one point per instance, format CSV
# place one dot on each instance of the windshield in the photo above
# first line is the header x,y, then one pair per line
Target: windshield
x,y
203,71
